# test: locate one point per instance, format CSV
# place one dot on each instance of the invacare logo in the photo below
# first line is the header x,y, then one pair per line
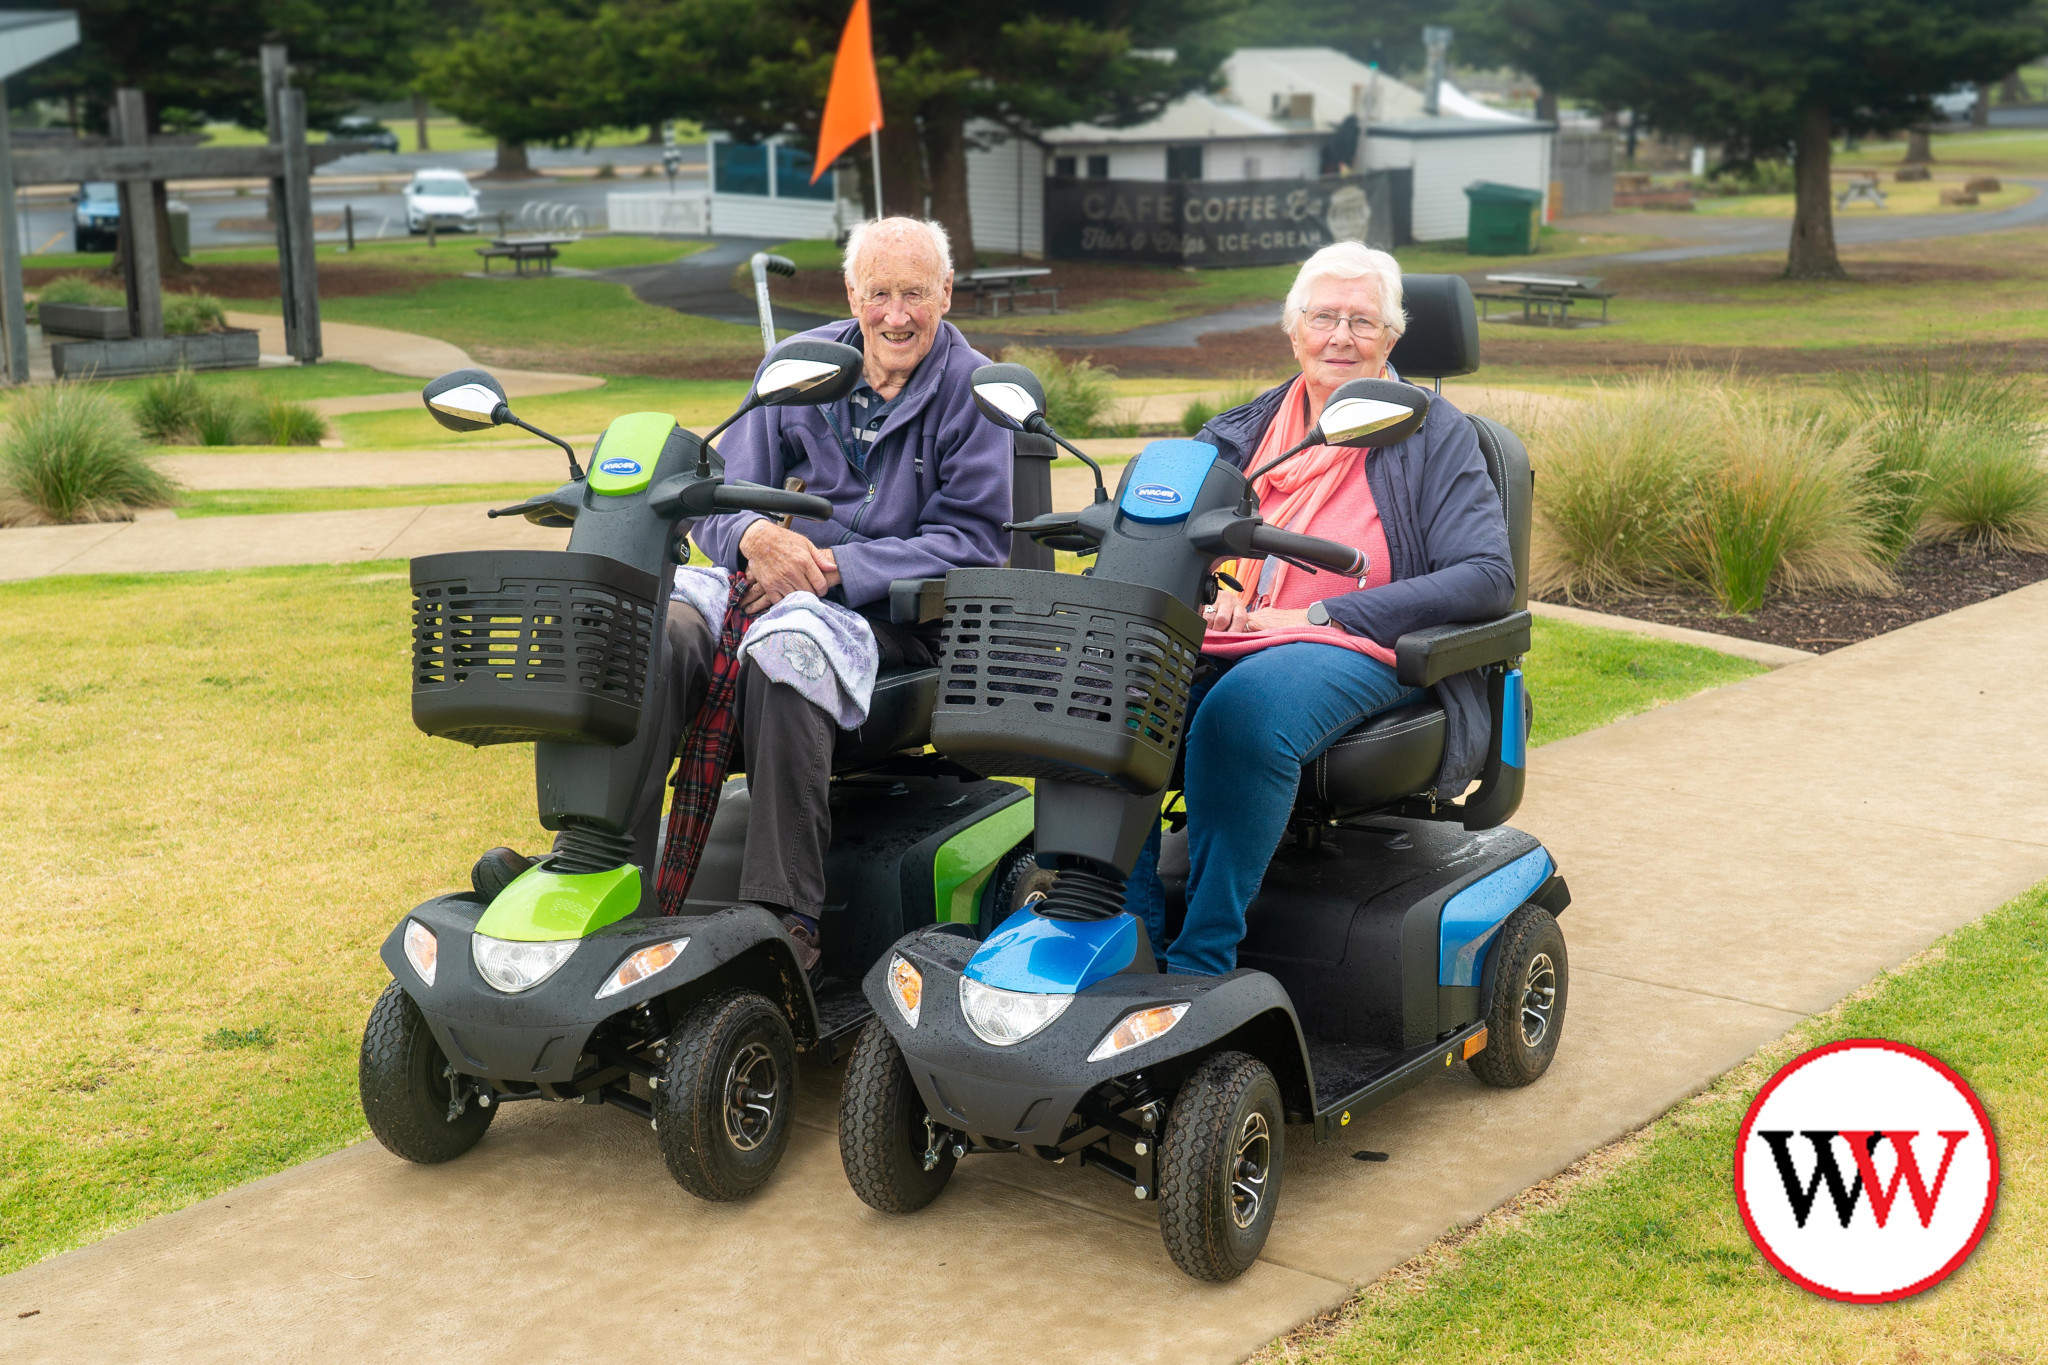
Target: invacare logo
x,y
1866,1171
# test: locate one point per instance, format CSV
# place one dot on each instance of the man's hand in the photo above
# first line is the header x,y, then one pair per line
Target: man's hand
x,y
779,562
828,565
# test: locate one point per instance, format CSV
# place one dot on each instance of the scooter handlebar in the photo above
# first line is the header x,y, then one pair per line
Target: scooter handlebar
x,y
754,497
1324,554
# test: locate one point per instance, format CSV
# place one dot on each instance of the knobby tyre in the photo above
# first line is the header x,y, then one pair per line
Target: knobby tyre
x,y
896,1157
728,1086
406,1085
1525,1014
1219,1167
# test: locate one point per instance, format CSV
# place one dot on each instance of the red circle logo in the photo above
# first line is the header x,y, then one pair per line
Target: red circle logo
x,y
1866,1171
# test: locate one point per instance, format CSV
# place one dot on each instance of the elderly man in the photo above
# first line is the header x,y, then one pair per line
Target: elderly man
x,y
919,483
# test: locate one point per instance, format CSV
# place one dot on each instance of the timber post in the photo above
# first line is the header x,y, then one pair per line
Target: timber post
x,y
297,228
11,296
139,263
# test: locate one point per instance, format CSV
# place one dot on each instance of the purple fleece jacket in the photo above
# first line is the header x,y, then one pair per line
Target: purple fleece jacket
x,y
937,488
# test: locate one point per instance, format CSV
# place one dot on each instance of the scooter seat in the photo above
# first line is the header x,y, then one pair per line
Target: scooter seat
x,y
899,718
1391,756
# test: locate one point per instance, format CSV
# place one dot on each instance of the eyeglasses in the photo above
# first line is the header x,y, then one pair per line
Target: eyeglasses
x,y
907,298
1324,323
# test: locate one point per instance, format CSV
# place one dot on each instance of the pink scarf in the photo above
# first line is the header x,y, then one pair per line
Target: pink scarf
x,y
1291,495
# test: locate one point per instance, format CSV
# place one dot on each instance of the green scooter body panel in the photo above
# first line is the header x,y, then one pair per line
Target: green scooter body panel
x,y
541,906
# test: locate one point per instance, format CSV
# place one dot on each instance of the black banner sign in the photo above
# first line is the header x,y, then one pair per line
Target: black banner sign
x,y
1214,222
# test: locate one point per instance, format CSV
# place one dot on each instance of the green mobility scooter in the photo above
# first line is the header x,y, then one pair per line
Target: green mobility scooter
x,y
1400,931
568,984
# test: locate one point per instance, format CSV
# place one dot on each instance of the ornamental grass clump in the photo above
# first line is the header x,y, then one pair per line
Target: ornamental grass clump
x,y
1077,394
81,289
176,409
1196,414
70,453
190,314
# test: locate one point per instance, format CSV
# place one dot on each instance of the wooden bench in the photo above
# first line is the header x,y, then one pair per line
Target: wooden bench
x,y
539,254
1012,283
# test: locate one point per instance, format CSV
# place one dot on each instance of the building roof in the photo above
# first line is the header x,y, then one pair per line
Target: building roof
x,y
1460,127
1260,77
1192,118
28,36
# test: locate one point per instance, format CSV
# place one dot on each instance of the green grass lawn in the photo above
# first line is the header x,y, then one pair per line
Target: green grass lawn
x,y
695,402
298,383
241,502
1649,1261
218,807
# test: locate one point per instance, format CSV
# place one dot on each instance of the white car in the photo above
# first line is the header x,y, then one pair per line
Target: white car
x,y
1957,104
443,196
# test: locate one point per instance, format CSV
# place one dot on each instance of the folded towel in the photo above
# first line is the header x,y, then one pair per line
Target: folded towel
x,y
825,651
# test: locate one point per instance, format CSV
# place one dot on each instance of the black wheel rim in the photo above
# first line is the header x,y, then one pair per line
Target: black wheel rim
x,y
1539,997
1250,1163
753,1085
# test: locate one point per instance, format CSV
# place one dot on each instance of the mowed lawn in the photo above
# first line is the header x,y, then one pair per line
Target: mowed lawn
x,y
218,807
1644,1257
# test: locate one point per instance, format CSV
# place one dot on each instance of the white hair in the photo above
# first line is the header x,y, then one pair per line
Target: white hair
x,y
1348,261
876,230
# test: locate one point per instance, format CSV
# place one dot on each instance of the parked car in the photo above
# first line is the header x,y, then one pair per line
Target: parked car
x,y
1957,104
96,216
443,195
363,128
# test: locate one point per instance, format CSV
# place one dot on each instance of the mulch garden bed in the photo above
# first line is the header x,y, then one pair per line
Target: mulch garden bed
x,y
1933,579
258,279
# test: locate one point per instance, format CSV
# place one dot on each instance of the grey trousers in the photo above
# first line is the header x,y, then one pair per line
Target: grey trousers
x,y
788,742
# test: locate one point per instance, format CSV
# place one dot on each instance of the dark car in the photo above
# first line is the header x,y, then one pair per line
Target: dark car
x,y
96,216
363,128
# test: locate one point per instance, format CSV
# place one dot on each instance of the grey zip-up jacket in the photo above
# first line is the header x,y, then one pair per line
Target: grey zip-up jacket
x,y
1448,545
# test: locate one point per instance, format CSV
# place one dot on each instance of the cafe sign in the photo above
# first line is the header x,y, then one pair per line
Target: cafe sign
x,y
1205,222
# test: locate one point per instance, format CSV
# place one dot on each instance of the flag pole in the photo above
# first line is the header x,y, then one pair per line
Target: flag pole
x,y
875,148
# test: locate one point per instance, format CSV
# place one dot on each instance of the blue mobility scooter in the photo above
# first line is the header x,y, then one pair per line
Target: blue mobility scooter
x,y
1399,931
566,983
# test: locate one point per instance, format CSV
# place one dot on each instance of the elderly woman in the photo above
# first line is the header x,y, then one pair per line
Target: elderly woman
x,y
1302,658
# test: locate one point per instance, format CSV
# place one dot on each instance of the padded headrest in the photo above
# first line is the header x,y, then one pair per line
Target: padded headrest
x,y
1443,328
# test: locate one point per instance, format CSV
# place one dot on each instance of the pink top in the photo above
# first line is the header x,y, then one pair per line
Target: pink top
x,y
1350,517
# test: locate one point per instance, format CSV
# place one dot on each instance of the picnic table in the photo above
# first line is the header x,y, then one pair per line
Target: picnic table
x,y
537,249
1544,296
1009,282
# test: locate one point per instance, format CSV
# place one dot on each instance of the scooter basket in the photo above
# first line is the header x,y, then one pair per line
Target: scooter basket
x,y
518,646
1060,676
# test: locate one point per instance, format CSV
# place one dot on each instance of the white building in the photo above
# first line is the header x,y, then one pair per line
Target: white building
x,y
1198,137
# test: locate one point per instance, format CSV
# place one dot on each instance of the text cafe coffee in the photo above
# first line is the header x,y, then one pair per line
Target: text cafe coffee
x,y
1244,222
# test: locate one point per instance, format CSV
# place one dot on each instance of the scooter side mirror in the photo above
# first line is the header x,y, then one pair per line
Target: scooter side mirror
x,y
1008,395
807,373
1373,413
467,400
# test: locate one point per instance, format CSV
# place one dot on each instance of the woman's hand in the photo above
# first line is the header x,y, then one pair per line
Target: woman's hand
x,y
1274,619
1227,613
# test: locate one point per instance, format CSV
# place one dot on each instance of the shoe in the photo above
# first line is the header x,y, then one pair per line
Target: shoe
x,y
809,954
497,870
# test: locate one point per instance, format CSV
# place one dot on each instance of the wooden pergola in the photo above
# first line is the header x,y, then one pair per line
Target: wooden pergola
x,y
136,165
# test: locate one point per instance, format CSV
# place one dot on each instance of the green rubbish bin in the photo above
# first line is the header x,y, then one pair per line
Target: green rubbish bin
x,y
1505,219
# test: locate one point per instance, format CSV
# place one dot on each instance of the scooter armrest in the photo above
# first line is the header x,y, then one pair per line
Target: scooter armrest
x,y
914,601
1426,657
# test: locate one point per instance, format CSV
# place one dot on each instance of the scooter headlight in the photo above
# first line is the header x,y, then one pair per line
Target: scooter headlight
x,y
906,988
1141,1026
512,966
1001,1018
642,965
422,949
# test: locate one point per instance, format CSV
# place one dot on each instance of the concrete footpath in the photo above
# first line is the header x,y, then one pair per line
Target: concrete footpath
x,y
1738,861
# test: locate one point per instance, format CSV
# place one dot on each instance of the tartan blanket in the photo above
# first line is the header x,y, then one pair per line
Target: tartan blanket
x,y
706,754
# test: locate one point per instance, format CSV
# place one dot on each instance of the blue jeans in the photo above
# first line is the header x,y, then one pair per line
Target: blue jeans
x,y
1253,729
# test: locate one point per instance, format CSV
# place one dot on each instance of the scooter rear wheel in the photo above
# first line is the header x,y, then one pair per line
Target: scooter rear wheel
x,y
1525,1015
407,1086
896,1157
722,1110
1219,1167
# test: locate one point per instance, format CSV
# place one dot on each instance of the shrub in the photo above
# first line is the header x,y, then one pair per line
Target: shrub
x,y
1990,494
165,410
189,314
70,453
1077,394
1196,415
292,424
80,289
225,417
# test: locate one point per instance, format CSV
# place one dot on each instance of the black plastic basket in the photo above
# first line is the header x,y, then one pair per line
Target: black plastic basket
x,y
1057,675
518,646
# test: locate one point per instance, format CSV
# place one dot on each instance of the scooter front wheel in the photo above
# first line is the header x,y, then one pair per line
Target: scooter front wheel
x,y
722,1109
896,1157
409,1091
1219,1167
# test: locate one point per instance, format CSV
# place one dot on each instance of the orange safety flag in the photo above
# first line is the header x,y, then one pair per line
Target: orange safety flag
x,y
853,106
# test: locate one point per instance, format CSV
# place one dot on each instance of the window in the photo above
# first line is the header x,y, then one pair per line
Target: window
x,y
1251,168
1098,167
1184,163
1063,167
739,168
793,175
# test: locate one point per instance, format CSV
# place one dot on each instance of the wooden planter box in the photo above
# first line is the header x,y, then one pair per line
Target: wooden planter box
x,y
234,349
83,320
